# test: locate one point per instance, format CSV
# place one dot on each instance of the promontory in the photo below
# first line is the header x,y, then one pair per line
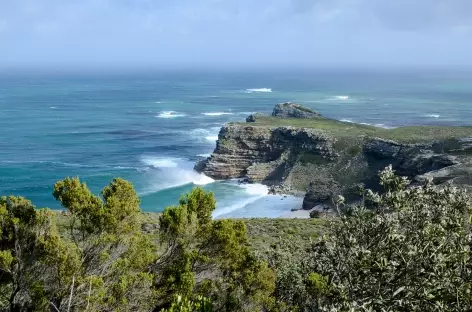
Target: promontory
x,y
298,151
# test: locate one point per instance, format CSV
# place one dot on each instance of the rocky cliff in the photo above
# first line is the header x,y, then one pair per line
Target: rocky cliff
x,y
320,157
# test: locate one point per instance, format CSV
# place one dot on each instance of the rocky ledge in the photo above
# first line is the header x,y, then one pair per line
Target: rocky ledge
x,y
320,157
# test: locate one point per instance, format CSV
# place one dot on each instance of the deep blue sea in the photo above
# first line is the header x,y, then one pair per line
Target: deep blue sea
x,y
150,128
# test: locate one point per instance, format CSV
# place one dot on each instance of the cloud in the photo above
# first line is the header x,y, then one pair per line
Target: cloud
x,y
233,32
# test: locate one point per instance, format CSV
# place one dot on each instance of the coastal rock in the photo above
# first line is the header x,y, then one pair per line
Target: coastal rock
x,y
334,157
254,117
319,193
292,110
263,154
408,159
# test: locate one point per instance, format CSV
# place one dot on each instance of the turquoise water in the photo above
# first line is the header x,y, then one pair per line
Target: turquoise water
x,y
150,128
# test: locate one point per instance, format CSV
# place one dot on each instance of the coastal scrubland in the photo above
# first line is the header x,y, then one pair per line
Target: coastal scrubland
x,y
404,248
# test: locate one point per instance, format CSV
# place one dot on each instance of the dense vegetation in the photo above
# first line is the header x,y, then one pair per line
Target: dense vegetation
x,y
404,249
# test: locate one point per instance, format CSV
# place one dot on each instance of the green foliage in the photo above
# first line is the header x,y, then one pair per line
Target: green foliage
x,y
405,249
410,251
210,258
116,213
25,234
201,304
104,262
266,234
113,255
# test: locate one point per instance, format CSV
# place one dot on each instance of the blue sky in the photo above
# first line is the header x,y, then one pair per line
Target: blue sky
x,y
237,33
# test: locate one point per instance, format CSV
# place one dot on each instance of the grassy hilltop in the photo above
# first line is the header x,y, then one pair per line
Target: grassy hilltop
x,y
340,129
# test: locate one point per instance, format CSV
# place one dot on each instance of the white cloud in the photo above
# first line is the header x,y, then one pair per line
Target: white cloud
x,y
225,31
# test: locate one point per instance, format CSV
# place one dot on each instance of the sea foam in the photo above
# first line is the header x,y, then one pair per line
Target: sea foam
x,y
169,114
160,162
217,114
253,192
378,125
258,90
205,135
171,172
433,115
340,97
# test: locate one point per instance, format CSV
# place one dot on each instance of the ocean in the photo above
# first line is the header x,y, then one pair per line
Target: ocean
x,y
151,127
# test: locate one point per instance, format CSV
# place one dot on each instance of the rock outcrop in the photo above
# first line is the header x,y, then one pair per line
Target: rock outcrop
x,y
261,153
292,110
323,162
254,117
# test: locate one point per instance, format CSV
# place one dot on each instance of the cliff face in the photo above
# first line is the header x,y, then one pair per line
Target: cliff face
x,y
321,163
261,153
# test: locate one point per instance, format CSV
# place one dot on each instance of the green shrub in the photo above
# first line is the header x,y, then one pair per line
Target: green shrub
x,y
410,251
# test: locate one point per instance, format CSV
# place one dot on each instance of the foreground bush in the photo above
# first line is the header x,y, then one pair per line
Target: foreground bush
x,y
407,249
103,262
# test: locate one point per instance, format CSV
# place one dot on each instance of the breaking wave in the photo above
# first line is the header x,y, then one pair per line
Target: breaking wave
x,y
160,162
205,135
258,90
169,114
253,192
169,172
217,114
433,115
378,125
340,97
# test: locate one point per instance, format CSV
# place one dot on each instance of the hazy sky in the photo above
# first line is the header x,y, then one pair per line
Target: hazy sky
x,y
235,32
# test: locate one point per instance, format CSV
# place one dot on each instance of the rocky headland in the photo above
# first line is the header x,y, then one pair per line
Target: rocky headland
x,y
298,151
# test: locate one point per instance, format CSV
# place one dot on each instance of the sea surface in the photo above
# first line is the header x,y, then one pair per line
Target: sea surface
x,y
151,127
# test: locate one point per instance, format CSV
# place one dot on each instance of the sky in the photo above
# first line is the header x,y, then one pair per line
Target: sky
x,y
235,33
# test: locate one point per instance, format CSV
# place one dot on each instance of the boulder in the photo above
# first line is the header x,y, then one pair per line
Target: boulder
x,y
292,110
319,193
253,117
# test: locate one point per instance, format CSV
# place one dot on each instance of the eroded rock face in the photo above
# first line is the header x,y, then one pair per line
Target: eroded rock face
x,y
318,164
258,152
408,159
292,110
319,193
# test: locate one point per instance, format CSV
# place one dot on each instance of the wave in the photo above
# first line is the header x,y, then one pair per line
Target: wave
x,y
255,189
258,90
160,162
217,114
67,164
340,97
169,114
253,192
205,135
433,115
169,172
378,125
204,155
